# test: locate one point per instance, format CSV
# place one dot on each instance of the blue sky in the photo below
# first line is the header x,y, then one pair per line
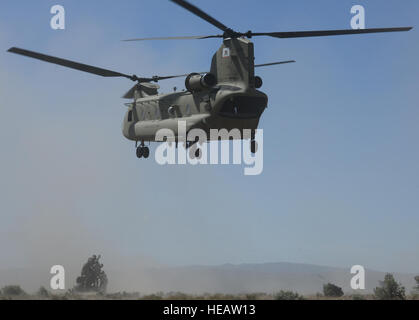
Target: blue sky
x,y
340,182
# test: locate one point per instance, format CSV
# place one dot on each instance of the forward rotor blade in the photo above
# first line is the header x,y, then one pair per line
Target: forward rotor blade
x,y
176,38
190,7
323,33
87,68
274,63
69,64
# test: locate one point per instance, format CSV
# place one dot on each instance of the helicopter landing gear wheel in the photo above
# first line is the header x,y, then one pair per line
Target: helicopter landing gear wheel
x,y
140,152
195,153
146,152
253,146
143,151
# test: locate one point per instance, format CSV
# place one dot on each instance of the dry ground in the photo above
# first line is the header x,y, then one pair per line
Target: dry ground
x,y
176,296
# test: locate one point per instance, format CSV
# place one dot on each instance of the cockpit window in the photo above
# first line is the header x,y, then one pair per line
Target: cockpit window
x,y
130,116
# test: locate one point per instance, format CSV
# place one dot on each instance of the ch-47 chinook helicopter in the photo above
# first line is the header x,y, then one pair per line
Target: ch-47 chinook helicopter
x,y
226,97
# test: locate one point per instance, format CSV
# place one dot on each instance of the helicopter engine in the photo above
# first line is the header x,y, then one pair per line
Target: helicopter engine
x,y
196,82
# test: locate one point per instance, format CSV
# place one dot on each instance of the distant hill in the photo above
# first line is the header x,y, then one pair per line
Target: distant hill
x,y
268,277
228,278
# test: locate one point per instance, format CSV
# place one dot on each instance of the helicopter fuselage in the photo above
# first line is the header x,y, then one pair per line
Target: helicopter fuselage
x,y
225,107
232,101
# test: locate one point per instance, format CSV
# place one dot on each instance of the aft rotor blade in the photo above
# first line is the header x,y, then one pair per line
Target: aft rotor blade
x,y
323,33
176,38
274,63
169,77
69,64
190,7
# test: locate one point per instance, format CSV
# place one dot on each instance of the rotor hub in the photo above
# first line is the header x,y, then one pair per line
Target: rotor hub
x,y
230,33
